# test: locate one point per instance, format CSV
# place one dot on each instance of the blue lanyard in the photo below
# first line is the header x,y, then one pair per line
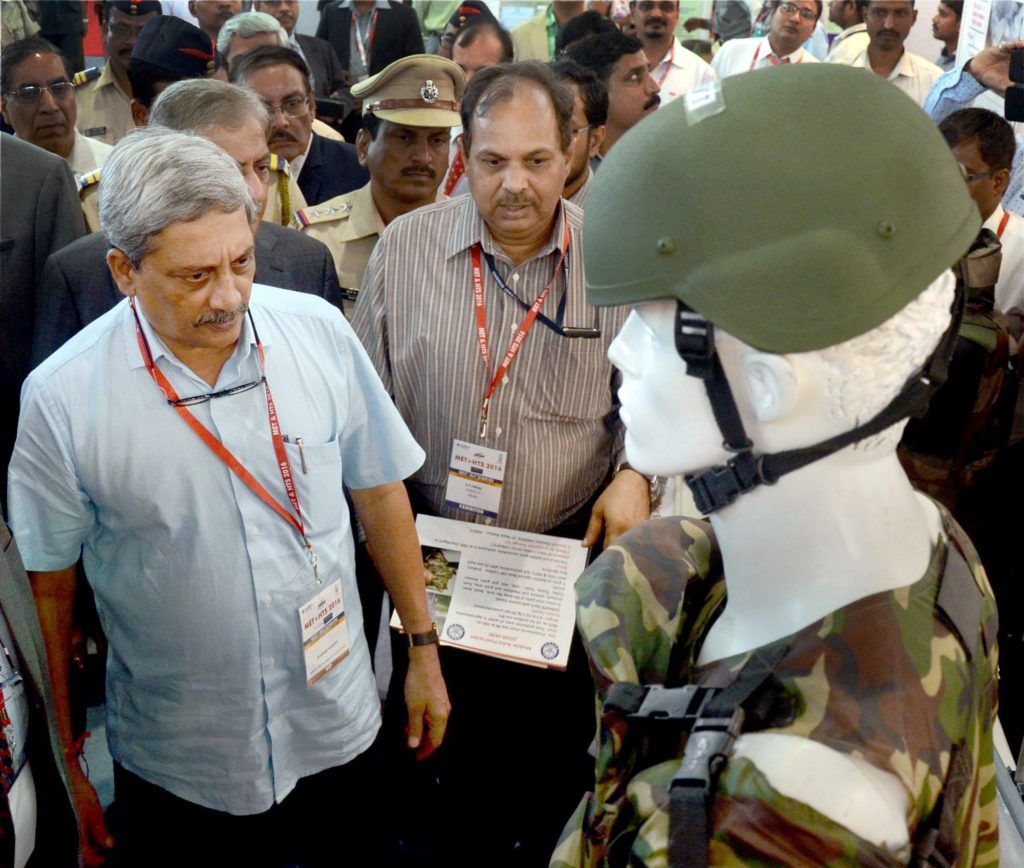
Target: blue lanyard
x,y
556,327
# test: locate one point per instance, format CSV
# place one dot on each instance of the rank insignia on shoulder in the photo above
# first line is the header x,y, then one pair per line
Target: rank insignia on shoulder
x,y
279,164
323,213
89,179
86,75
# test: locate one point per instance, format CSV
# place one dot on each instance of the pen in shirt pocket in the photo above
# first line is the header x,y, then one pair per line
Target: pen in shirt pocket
x,y
302,452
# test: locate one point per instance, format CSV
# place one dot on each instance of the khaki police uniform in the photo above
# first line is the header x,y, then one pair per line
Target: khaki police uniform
x,y
419,91
104,110
89,192
349,225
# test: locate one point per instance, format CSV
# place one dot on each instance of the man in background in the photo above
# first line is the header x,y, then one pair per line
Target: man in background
x,y
621,66
320,57
324,168
104,96
849,15
211,15
790,26
589,126
536,39
889,23
946,28
674,68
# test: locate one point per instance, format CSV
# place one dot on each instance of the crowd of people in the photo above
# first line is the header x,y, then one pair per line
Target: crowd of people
x,y
233,471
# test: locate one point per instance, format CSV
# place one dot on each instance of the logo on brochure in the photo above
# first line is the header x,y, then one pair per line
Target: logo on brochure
x,y
549,650
455,631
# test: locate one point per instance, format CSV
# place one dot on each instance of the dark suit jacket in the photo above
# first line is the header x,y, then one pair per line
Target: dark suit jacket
x,y
39,212
328,73
77,286
331,169
396,35
56,827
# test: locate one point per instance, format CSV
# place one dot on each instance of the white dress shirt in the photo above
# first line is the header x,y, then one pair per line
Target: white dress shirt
x,y
87,154
1010,286
679,71
848,44
742,55
913,74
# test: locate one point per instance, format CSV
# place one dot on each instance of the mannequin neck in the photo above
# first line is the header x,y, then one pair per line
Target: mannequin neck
x,y
838,530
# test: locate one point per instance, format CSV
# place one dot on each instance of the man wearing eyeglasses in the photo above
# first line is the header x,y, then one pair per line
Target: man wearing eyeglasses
x,y
790,26
104,96
984,146
324,168
674,68
194,442
589,126
38,101
889,22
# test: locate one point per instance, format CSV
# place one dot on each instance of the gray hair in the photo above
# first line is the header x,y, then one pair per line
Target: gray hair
x,y
248,24
200,104
155,177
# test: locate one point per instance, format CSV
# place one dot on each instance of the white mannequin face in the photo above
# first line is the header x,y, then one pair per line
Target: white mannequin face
x,y
670,427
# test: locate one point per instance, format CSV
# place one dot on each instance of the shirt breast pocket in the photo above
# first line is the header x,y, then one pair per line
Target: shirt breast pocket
x,y
579,384
316,469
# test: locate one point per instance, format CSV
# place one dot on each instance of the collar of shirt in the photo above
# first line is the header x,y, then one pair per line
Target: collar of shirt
x,y
470,229
244,350
765,50
905,66
84,157
295,166
580,196
380,4
850,31
106,78
994,219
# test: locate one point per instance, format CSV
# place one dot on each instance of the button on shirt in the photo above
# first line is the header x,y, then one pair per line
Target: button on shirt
x,y
742,55
557,414
680,71
913,75
197,580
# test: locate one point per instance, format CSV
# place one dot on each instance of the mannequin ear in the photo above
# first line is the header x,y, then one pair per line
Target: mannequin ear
x,y
771,384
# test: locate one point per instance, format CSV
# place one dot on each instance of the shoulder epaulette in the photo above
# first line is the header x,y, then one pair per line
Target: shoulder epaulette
x,y
87,75
89,179
324,213
279,164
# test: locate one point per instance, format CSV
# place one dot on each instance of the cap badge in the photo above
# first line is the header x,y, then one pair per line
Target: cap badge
x,y
429,92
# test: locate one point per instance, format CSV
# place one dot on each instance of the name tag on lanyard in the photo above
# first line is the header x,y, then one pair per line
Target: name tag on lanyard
x,y
324,632
475,477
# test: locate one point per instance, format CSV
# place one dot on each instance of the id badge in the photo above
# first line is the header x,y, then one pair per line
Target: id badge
x,y
324,632
475,477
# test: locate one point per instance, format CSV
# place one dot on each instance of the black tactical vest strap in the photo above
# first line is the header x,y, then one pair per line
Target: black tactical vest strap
x,y
708,748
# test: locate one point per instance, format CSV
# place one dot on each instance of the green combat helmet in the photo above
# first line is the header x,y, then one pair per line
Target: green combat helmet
x,y
794,209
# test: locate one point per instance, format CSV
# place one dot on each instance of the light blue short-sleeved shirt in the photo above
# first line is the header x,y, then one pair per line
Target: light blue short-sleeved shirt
x,y
197,581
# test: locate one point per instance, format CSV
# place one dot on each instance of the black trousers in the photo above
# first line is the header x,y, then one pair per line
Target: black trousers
x,y
331,818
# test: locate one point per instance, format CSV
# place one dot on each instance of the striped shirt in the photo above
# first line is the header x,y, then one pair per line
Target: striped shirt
x,y
557,414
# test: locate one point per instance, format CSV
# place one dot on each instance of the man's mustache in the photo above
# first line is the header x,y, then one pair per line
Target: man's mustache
x,y
655,100
516,201
419,171
220,317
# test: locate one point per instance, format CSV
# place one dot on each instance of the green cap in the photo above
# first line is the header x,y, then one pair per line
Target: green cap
x,y
795,207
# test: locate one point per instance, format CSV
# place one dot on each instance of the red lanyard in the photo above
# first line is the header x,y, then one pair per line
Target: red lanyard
x,y
772,59
364,46
668,66
520,336
221,451
1002,224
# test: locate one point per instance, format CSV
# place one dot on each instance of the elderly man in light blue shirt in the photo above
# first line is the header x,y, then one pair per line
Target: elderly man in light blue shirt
x,y
193,444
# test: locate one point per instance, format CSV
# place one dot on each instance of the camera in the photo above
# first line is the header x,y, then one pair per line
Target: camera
x,y
1014,110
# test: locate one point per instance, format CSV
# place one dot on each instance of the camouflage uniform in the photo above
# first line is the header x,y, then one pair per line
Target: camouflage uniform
x,y
882,679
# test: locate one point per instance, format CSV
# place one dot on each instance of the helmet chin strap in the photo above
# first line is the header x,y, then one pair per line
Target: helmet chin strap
x,y
720,485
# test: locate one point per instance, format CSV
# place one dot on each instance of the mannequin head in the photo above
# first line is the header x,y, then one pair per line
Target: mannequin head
x,y
785,401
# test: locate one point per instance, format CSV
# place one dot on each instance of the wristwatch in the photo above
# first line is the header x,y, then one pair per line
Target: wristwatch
x,y
429,637
656,483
